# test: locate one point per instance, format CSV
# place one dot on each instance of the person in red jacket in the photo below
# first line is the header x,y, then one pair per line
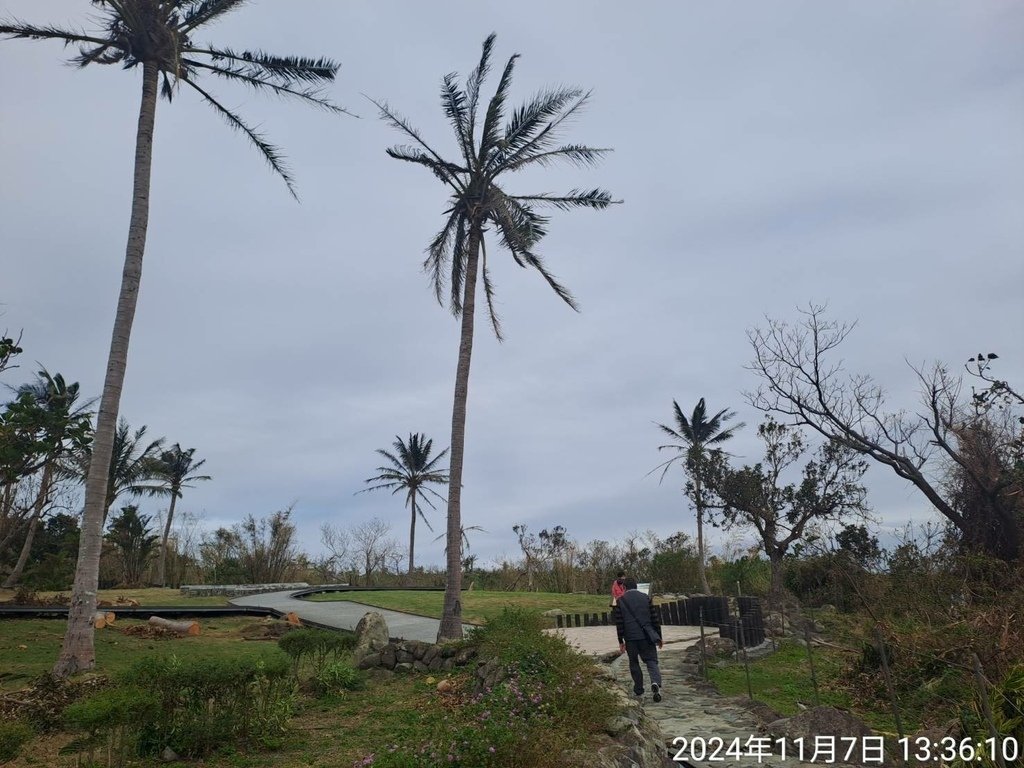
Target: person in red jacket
x,y
618,589
639,629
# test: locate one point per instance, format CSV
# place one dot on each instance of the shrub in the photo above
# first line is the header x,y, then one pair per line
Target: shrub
x,y
753,574
550,702
112,721
315,646
208,704
1006,703
13,736
335,677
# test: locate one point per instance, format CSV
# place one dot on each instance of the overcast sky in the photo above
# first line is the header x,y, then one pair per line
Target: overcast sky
x,y
868,155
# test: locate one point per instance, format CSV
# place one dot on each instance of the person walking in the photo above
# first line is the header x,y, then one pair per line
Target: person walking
x,y
639,629
617,588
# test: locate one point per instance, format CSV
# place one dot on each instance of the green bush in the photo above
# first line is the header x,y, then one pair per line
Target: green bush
x,y
550,702
315,646
13,736
1006,703
335,677
209,704
753,574
112,721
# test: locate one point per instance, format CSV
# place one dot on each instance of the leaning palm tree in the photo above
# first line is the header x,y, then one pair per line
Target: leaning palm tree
x,y
411,470
131,470
695,435
158,36
457,256
174,470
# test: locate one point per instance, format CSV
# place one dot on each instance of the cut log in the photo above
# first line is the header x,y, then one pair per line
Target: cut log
x,y
181,627
99,619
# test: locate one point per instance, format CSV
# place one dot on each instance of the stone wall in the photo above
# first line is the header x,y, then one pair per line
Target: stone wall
x,y
237,590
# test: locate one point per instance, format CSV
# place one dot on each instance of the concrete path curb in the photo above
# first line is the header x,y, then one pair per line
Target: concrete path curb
x,y
344,614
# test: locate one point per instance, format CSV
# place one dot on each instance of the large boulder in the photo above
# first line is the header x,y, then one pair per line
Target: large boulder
x,y
371,635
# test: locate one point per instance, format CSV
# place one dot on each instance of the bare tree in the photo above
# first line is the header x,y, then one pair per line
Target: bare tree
x,y
373,546
802,380
338,549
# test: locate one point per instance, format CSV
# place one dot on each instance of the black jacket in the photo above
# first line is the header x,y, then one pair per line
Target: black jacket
x,y
642,607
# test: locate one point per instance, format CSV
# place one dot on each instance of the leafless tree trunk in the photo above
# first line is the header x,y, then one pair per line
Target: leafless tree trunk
x,y
451,614
78,652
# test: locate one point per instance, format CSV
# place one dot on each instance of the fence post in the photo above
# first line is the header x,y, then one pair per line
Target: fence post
x,y
888,681
703,649
810,660
987,711
746,663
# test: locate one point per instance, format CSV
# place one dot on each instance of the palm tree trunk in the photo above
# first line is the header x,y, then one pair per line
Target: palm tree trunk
x,y
412,531
451,614
701,571
78,651
161,574
37,513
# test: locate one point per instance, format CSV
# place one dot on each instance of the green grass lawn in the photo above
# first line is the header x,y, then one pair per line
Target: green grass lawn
x,y
152,596
29,647
477,607
784,678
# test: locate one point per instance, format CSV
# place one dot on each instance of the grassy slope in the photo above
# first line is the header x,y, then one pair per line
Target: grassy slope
x,y
477,607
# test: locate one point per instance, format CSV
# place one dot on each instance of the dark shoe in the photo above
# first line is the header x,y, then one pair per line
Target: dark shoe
x,y
656,691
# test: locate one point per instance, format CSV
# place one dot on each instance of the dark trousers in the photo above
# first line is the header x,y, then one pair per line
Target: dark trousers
x,y
646,651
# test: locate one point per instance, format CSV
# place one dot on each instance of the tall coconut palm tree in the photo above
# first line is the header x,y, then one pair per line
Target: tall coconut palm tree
x,y
411,470
159,37
174,470
695,436
489,150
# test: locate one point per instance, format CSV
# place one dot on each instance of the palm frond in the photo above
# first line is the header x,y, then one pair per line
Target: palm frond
x,y
489,293
445,171
459,257
200,12
490,138
526,140
16,29
576,154
285,69
453,101
399,122
308,95
438,252
563,293
524,134
476,79
575,198
270,153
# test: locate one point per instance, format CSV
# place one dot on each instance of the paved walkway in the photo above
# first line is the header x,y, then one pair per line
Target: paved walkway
x,y
686,712
344,614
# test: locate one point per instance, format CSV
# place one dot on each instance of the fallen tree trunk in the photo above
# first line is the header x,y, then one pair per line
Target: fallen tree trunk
x,y
102,619
181,627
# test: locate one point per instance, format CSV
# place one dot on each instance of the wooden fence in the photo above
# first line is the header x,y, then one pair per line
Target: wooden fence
x,y
747,629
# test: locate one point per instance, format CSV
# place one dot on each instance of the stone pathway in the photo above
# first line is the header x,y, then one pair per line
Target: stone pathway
x,y
343,614
687,712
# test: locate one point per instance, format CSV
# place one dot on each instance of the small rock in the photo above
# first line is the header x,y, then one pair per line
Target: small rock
x,y
617,725
169,755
